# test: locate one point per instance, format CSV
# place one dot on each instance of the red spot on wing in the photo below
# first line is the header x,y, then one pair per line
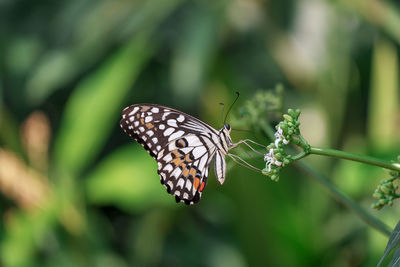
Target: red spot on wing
x,y
203,184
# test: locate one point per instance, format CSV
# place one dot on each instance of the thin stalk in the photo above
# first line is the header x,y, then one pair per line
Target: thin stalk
x,y
342,198
359,158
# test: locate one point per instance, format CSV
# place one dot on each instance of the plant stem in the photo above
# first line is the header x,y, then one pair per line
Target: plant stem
x,y
342,198
360,158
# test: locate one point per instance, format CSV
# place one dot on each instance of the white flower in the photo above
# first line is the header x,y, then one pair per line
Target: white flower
x,y
270,159
280,138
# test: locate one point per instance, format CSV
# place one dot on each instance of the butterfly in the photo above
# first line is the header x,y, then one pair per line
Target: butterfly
x,y
183,146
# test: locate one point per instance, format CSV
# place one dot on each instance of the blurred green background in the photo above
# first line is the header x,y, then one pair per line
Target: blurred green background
x,y
75,191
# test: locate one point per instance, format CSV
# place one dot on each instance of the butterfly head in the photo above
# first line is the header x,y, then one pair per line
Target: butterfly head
x,y
227,127
225,133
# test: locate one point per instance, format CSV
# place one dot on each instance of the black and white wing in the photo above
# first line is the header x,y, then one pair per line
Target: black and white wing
x,y
182,145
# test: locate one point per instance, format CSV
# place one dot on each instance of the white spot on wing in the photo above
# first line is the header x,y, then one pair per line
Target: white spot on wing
x,y
180,118
158,147
168,168
165,115
180,183
148,119
168,131
188,185
136,123
141,129
150,133
135,109
172,123
155,140
167,158
176,172
185,195
155,110
162,126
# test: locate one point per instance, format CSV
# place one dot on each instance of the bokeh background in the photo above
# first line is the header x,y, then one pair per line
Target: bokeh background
x,y
75,191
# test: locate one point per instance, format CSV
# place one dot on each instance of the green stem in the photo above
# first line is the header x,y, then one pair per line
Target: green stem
x,y
364,159
342,198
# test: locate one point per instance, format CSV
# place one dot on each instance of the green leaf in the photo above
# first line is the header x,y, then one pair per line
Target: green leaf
x,y
195,50
384,94
394,240
24,231
90,34
128,179
94,107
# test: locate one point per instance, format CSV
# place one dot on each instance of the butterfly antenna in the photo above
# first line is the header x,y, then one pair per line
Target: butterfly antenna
x,y
227,113
222,113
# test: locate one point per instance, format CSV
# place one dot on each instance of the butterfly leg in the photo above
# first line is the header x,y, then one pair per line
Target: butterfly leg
x,y
242,162
246,142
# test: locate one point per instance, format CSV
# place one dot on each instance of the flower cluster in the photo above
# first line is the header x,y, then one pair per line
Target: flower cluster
x,y
287,131
386,192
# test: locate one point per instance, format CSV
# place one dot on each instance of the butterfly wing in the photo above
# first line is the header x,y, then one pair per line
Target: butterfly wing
x,y
182,145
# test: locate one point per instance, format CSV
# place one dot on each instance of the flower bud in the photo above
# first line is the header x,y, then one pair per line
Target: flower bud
x,y
287,117
284,128
386,189
275,178
377,194
382,201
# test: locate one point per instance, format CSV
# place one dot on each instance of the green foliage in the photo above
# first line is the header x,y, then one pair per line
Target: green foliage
x,y
96,199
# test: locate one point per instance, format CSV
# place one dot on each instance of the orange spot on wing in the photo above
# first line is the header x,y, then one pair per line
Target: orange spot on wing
x,y
203,184
149,125
196,183
141,121
185,172
192,172
187,158
177,160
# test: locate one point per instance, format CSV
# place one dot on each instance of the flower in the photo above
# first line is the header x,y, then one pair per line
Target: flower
x,y
280,138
